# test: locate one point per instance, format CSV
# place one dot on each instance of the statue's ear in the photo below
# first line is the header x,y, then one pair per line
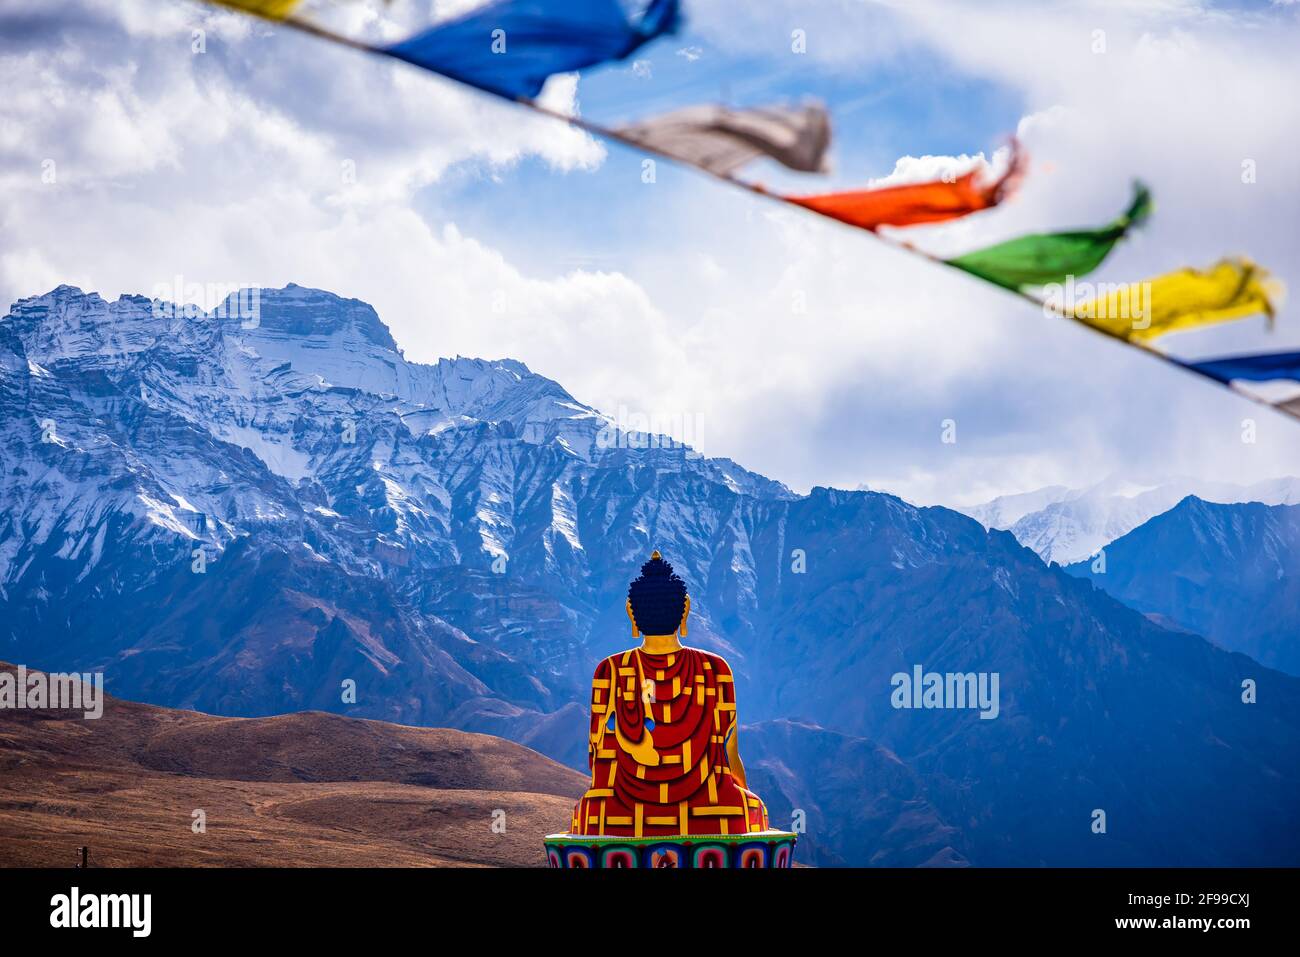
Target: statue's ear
x,y
686,613
631,617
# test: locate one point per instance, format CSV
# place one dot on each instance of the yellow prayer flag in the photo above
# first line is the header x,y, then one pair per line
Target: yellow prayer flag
x,y
1231,289
271,9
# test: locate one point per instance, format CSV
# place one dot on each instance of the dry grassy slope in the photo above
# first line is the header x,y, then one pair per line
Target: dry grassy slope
x,y
307,789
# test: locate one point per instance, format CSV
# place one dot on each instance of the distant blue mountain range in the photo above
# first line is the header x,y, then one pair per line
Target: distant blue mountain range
x,y
239,516
1228,572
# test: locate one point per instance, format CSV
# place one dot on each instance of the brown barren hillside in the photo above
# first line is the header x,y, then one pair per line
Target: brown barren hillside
x,y
308,789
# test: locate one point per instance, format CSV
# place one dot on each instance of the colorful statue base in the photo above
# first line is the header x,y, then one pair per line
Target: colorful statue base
x,y
756,849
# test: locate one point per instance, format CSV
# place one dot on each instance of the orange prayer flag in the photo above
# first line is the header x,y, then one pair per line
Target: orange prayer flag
x,y
914,203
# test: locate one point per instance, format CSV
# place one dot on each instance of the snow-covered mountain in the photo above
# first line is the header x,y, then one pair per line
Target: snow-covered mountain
x,y
220,426
1067,525
1005,510
253,517
142,446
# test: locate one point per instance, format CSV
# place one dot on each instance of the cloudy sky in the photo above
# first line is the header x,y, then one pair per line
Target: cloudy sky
x,y
131,154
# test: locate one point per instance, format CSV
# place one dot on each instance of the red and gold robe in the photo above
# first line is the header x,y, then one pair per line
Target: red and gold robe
x,y
672,779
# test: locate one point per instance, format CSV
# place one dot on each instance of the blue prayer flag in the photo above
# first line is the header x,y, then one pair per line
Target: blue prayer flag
x,y
1263,367
510,47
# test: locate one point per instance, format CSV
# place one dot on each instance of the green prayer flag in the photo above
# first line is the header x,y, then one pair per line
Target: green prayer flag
x,y
1044,258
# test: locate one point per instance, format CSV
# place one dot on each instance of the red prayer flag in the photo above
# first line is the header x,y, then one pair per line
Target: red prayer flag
x,y
915,203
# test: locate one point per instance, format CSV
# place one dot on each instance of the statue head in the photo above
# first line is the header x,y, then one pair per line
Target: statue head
x,y
657,601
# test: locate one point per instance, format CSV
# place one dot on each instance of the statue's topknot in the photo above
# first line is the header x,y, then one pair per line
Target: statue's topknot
x,y
658,598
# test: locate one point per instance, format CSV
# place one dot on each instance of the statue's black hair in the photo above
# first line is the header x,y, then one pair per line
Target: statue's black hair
x,y
658,598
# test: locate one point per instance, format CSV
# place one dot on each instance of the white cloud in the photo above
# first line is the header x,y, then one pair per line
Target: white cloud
x,y
800,347
856,389
920,169
291,132
1182,97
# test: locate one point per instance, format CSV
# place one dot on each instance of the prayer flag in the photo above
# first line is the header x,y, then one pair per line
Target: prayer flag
x,y
1261,367
914,203
721,140
1184,299
1044,258
510,47
271,9
1281,370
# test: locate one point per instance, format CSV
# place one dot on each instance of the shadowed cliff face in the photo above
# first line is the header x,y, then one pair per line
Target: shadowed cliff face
x,y
859,804
1228,572
457,539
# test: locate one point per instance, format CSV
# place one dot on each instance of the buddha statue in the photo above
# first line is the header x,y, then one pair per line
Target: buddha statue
x,y
668,788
